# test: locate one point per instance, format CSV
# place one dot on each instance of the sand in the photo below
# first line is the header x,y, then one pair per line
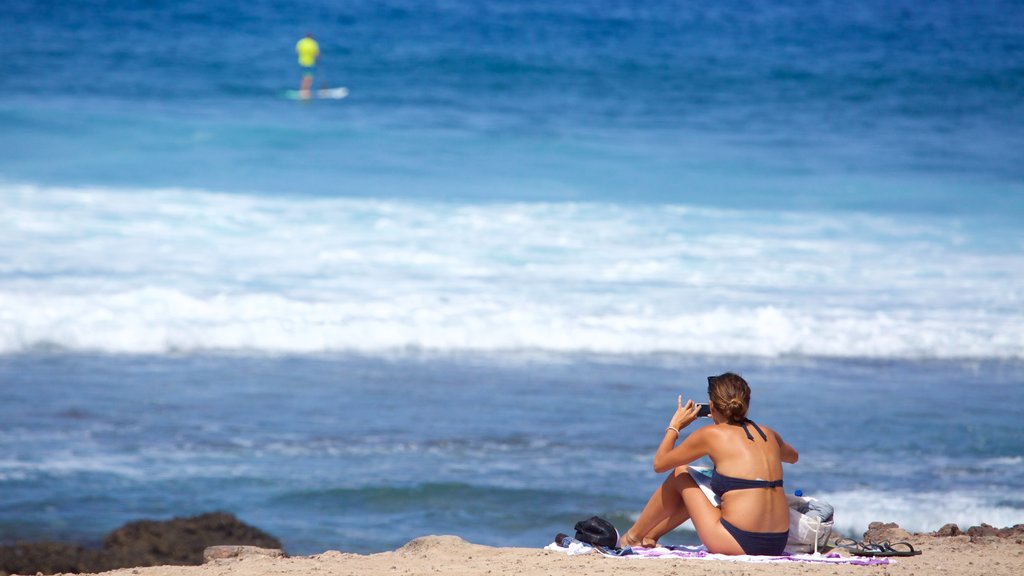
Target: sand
x,y
432,555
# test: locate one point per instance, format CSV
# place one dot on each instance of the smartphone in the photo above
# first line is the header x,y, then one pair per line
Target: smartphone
x,y
704,411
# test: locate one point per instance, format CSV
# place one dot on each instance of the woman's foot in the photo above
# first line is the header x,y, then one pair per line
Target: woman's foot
x,y
648,542
627,540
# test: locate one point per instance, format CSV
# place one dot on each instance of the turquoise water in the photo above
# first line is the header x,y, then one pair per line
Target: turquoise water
x,y
530,221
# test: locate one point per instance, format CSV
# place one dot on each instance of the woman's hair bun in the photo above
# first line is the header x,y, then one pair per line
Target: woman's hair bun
x,y
730,395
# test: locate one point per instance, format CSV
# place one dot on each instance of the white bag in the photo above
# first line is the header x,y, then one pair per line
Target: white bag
x,y
806,533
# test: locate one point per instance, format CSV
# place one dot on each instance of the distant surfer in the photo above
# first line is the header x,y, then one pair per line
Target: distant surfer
x,y
309,52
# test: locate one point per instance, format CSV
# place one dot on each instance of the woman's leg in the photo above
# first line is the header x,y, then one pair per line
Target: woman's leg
x,y
677,499
673,521
664,511
707,520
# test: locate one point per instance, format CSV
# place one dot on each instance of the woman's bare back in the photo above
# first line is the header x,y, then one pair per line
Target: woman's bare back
x,y
736,455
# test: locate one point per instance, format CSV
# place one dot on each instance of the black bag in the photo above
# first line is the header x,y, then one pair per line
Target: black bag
x,y
597,531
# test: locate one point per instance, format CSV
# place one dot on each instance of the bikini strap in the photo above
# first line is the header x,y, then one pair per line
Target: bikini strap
x,y
756,427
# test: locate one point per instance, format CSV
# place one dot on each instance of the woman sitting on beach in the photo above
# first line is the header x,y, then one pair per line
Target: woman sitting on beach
x,y
753,518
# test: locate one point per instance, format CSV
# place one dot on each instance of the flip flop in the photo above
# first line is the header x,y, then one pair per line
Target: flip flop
x,y
855,546
844,543
909,551
884,549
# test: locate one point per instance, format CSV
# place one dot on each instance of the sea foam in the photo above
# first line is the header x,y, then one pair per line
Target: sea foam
x,y
922,511
153,271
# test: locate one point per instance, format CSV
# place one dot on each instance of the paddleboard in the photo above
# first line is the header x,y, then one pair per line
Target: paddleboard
x,y
323,94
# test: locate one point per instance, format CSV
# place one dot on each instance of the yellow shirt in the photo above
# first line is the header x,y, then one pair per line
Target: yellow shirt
x,y
308,51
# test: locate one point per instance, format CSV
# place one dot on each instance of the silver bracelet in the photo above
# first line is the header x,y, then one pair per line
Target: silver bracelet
x,y
676,430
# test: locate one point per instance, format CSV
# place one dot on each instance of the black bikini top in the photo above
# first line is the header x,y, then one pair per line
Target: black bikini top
x,y
720,483
756,427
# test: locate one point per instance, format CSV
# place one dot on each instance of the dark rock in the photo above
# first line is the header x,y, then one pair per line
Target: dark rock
x,y
1011,531
980,532
891,532
180,541
948,530
1015,531
983,532
49,558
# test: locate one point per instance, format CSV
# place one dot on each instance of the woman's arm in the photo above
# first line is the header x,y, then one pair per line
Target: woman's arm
x,y
787,453
694,446
691,448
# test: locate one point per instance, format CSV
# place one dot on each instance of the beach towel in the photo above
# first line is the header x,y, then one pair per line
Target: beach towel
x,y
701,553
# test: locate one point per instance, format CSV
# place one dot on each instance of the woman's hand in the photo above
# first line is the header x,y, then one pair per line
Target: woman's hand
x,y
685,414
692,447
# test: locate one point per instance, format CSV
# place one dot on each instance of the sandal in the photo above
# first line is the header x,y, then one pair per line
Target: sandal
x,y
852,545
845,543
906,549
879,549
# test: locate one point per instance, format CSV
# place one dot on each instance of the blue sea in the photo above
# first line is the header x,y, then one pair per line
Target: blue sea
x,y
464,299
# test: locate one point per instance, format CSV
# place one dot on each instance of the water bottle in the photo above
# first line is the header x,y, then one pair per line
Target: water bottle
x,y
823,511
564,540
804,505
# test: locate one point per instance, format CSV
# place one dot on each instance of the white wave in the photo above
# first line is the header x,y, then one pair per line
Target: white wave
x,y
1003,462
152,271
923,511
67,463
174,463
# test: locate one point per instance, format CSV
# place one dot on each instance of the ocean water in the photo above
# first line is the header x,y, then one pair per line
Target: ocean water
x,y
463,299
